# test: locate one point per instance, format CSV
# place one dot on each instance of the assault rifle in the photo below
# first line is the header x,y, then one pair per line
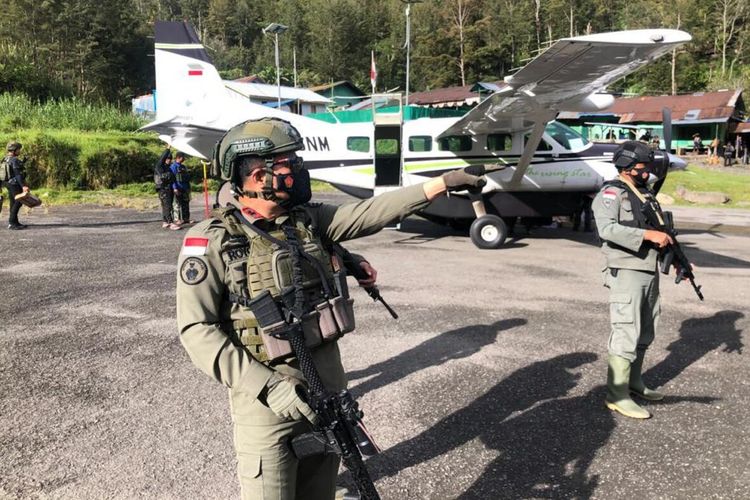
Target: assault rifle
x,y
672,255
339,428
352,265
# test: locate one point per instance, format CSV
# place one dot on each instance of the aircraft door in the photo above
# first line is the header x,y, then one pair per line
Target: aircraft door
x,y
387,149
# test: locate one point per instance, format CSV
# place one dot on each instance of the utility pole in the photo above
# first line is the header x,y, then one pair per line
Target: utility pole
x,y
407,45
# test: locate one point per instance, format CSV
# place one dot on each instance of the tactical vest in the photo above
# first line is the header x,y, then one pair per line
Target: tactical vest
x,y
636,205
255,263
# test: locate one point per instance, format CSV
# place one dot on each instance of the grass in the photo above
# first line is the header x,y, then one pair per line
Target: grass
x,y
18,111
142,196
139,196
736,185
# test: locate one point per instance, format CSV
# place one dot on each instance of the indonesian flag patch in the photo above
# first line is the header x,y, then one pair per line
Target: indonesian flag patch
x,y
610,194
195,246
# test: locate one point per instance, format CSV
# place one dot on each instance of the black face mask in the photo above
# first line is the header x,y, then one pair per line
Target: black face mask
x,y
296,185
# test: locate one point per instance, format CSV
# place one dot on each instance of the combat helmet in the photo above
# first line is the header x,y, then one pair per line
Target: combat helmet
x,y
265,138
630,153
13,146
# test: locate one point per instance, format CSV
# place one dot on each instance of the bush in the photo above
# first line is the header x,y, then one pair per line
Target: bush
x,y
86,160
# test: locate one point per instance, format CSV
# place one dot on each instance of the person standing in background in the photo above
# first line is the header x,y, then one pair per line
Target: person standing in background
x,y
12,174
163,180
181,189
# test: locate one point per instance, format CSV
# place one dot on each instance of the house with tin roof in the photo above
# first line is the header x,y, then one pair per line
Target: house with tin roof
x,y
342,93
462,97
707,114
296,100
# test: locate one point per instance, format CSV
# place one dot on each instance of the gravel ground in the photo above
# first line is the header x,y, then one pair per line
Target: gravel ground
x,y
489,386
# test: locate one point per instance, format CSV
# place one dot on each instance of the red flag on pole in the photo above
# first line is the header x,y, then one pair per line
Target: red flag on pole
x,y
373,73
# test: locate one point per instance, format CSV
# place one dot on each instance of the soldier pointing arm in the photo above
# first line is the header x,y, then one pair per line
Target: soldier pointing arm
x,y
224,264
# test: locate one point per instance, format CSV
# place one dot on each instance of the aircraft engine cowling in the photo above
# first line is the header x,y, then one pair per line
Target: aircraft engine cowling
x,y
592,102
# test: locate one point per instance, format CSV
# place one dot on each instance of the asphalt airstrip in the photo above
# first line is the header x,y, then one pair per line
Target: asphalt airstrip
x,y
489,386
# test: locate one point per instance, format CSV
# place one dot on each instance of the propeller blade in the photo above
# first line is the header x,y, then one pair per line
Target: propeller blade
x,y
666,120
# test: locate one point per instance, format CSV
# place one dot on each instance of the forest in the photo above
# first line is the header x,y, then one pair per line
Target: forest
x,y
102,50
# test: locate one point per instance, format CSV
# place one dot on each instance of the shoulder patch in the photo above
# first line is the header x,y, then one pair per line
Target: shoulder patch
x,y
193,271
609,193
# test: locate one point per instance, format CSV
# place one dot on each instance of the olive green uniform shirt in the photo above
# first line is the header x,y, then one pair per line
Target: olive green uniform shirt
x,y
205,315
623,246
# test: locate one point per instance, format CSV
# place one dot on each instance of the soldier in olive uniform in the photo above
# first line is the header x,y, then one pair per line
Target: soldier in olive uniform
x,y
631,251
13,175
223,263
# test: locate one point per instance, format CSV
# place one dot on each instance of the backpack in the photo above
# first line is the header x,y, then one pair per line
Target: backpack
x,y
158,180
4,170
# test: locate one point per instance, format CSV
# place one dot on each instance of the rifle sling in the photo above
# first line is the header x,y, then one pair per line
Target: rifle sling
x,y
283,244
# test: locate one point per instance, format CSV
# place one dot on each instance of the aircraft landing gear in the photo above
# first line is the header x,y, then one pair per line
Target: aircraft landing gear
x,y
488,232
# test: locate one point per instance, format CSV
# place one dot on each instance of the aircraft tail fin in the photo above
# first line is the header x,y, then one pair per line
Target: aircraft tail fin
x,y
187,83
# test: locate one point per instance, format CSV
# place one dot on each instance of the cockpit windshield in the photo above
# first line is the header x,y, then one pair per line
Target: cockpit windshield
x,y
565,136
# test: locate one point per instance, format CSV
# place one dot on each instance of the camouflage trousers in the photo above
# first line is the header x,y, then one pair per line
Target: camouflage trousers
x,y
267,468
634,310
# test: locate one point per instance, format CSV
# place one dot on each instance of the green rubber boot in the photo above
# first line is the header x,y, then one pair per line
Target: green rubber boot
x,y
637,386
618,392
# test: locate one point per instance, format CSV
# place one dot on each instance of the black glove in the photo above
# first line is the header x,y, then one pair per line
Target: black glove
x,y
465,178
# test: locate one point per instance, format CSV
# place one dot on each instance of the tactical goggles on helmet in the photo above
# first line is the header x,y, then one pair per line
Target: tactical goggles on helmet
x,y
291,161
264,137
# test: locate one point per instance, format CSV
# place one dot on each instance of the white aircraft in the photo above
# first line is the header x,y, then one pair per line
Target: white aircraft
x,y
536,167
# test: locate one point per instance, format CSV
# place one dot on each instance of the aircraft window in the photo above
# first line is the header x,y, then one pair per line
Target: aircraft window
x,y
565,136
386,147
499,142
455,143
420,143
359,144
543,146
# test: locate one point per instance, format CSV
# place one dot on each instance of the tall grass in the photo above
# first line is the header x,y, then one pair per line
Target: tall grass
x,y
18,111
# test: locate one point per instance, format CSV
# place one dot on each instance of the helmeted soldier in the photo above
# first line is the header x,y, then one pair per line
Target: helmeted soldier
x,y
12,174
631,250
229,259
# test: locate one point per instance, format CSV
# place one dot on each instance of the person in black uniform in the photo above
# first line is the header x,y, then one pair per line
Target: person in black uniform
x,y
13,172
163,179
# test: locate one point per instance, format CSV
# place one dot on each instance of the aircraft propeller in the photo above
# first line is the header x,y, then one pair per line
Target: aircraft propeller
x,y
666,119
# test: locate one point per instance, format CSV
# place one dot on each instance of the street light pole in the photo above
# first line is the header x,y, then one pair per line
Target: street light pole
x,y
408,42
276,29
278,72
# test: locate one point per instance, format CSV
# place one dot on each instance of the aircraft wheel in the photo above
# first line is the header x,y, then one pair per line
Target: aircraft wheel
x,y
488,232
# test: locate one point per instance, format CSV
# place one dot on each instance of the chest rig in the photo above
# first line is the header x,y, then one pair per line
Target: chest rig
x,y
260,261
636,204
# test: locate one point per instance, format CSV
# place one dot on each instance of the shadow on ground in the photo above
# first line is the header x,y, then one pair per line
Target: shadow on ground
x,y
545,442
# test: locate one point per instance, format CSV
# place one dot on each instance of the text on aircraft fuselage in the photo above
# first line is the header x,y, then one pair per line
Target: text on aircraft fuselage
x,y
317,143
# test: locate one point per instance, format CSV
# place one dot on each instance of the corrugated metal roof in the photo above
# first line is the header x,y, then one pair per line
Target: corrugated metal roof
x,y
270,92
250,79
702,107
452,96
742,128
328,86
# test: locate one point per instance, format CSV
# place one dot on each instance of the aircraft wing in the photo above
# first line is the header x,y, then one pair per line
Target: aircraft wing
x,y
567,76
195,140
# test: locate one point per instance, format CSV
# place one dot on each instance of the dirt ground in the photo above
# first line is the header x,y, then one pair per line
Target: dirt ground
x,y
489,386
